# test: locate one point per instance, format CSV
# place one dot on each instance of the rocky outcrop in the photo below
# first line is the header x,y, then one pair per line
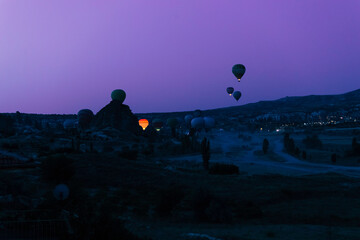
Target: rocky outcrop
x,y
117,115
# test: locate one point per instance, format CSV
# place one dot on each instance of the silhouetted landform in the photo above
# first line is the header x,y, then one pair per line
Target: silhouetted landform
x,y
309,103
304,103
117,115
279,169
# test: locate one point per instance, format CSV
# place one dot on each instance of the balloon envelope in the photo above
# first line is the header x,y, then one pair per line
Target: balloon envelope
x,y
61,192
118,95
188,119
157,124
209,122
69,124
238,70
197,113
144,123
230,90
172,122
197,123
237,95
85,116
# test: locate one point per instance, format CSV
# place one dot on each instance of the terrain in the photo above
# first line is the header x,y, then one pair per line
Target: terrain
x,y
156,186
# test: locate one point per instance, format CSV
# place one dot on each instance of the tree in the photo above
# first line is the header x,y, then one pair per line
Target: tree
x,y
286,140
265,146
205,151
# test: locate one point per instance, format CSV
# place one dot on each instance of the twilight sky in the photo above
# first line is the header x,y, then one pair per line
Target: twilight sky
x,y
173,55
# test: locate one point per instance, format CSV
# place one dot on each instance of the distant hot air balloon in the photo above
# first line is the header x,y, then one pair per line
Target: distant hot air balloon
x,y
61,192
209,122
230,90
143,123
238,70
198,123
157,124
188,119
85,116
197,113
237,95
172,123
69,124
118,95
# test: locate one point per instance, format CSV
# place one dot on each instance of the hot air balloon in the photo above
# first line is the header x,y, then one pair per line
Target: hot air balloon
x,y
172,123
69,124
197,113
237,95
118,95
230,90
85,116
188,119
197,123
61,192
238,70
143,123
157,124
209,122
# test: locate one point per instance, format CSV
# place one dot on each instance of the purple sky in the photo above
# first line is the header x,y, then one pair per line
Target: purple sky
x,y
61,56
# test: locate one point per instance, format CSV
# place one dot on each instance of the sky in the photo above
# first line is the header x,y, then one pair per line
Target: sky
x,y
173,55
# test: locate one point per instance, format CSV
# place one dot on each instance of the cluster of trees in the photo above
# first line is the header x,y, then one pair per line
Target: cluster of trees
x,y
291,148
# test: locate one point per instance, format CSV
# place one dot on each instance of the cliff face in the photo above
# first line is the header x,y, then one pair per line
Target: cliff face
x,y
117,115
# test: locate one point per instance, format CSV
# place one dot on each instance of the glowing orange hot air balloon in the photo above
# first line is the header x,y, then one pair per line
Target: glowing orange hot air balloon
x,y
143,123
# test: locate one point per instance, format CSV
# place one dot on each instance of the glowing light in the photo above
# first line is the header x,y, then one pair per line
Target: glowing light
x,y
143,123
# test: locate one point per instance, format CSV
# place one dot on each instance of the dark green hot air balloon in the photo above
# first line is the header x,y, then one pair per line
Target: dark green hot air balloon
x,y
237,95
230,90
118,95
238,70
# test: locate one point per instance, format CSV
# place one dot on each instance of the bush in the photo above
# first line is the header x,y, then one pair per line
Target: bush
x,y
223,169
57,168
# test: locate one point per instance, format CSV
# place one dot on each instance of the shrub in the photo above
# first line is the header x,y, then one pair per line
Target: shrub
x,y
223,169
